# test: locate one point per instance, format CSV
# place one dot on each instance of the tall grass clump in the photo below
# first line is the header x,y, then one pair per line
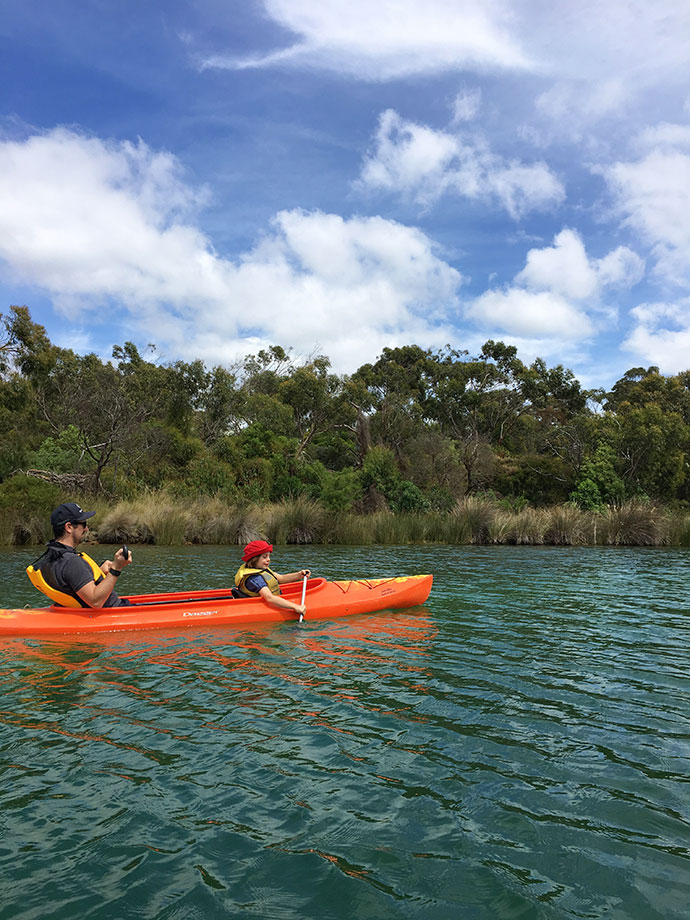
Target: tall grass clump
x,y
679,528
529,527
299,520
501,528
153,519
471,519
122,524
213,520
166,521
637,522
566,525
392,529
455,528
386,528
21,528
351,530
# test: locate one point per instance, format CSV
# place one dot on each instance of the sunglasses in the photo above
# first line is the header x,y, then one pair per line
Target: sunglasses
x,y
80,524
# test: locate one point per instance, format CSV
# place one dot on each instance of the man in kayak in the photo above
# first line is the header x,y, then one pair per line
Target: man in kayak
x,y
254,578
69,574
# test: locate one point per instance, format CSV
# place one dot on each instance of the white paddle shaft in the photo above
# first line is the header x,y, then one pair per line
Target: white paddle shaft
x,y
304,594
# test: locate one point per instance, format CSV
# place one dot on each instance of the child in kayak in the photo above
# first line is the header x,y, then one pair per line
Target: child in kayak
x,y
254,578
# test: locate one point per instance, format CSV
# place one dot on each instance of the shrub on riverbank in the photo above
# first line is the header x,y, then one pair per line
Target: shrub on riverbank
x,y
679,529
302,520
635,523
25,506
165,521
169,521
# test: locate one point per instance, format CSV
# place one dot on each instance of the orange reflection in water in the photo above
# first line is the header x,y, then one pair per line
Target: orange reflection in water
x,y
378,629
255,666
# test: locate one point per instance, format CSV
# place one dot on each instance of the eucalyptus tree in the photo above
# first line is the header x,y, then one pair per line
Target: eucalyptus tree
x,y
477,401
647,416
314,395
392,393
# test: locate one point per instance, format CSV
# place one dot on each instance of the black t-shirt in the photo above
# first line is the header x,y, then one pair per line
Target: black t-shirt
x,y
65,570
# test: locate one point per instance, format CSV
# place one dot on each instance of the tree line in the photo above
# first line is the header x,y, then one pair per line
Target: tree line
x,y
416,430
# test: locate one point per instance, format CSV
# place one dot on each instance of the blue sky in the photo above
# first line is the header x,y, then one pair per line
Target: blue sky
x,y
336,177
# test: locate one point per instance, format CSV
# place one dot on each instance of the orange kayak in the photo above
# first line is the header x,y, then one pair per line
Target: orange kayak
x,y
324,600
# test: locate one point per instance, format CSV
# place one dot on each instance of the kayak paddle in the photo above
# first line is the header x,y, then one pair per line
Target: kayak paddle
x,y
304,592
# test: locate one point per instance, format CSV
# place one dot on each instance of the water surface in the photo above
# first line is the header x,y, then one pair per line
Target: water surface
x,y
516,748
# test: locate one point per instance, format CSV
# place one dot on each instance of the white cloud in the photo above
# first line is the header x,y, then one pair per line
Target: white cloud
x,y
97,223
410,158
601,56
466,105
424,164
662,335
353,285
565,268
530,313
621,268
390,38
82,217
665,136
557,290
575,104
642,43
652,195
607,61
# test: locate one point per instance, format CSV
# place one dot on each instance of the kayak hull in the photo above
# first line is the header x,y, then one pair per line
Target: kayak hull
x,y
324,600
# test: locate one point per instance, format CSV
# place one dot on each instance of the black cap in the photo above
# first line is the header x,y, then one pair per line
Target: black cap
x,y
70,511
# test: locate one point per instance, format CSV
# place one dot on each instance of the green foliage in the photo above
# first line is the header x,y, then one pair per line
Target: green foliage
x,y
648,421
408,498
285,483
22,429
440,499
587,495
255,482
542,480
227,449
414,430
598,484
206,475
63,454
28,495
381,471
337,490
336,450
434,462
25,506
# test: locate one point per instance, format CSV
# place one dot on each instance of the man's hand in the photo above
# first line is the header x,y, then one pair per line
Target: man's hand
x,y
119,562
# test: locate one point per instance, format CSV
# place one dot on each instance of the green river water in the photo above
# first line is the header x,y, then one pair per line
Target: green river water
x,y
516,748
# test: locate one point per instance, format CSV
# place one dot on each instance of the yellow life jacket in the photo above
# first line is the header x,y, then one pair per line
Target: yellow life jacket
x,y
243,574
61,597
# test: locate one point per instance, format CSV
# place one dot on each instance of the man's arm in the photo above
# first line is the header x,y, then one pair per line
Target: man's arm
x,y
95,595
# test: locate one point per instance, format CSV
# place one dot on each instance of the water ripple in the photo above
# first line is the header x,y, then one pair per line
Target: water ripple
x,y
515,749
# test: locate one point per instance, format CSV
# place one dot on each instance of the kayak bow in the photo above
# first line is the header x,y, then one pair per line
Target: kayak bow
x,y
324,600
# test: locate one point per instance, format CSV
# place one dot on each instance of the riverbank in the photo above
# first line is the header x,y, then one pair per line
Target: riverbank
x,y
159,519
